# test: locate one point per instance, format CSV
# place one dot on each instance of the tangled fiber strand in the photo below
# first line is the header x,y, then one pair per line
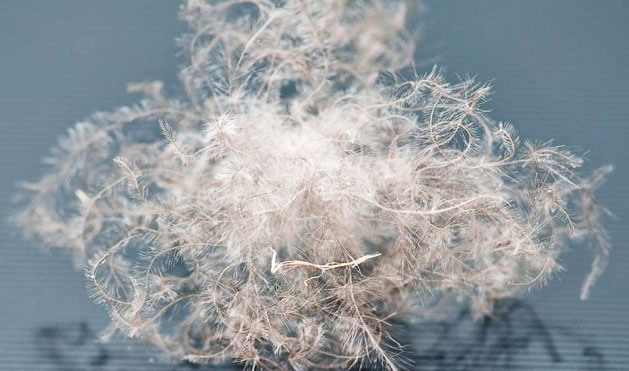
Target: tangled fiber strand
x,y
308,187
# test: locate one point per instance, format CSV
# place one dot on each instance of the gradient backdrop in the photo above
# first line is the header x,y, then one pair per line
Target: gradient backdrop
x,y
559,70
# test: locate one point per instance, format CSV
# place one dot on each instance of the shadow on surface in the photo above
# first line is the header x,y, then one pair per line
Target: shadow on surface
x,y
75,347
515,338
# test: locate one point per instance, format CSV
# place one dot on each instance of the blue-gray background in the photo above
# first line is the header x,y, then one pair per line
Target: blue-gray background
x,y
559,71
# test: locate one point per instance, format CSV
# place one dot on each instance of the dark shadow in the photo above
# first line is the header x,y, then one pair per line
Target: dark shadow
x,y
514,338
61,345
75,347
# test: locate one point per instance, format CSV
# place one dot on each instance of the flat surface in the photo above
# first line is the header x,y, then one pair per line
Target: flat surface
x,y
559,71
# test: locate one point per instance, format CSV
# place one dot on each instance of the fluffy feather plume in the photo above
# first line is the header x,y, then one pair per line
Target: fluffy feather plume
x,y
303,192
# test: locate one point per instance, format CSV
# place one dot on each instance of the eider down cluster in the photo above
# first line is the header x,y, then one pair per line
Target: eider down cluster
x,y
308,187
